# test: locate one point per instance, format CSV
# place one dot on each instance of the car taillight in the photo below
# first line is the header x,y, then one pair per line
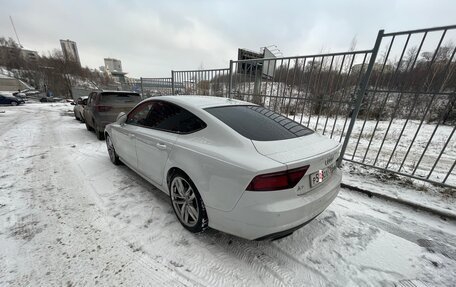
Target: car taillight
x,y
277,180
103,108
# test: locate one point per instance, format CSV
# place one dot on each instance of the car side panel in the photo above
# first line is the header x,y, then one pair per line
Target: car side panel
x,y
153,148
88,110
124,143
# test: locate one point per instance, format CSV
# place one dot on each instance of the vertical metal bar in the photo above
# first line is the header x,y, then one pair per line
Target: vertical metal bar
x,y
322,102
301,76
278,85
285,86
245,71
252,67
230,82
318,87
142,88
272,84
172,82
292,88
358,80
449,172
347,79
441,152
308,89
333,91
361,92
260,83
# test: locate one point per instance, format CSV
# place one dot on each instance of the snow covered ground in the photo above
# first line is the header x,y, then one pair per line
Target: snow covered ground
x,y
70,217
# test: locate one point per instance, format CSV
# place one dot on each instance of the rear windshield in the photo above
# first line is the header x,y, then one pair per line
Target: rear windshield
x,y
258,123
119,98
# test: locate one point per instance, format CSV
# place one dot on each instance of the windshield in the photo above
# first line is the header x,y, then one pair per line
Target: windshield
x,y
258,123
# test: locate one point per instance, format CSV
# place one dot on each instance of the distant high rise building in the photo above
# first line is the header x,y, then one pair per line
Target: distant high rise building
x,y
114,68
70,51
113,65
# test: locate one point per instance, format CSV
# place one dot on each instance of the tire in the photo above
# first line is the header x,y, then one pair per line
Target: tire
x,y
100,134
89,128
14,103
111,151
187,203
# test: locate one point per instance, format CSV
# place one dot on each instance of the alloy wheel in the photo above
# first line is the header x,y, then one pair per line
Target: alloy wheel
x,y
184,201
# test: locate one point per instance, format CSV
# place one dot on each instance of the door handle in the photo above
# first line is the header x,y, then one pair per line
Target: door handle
x,y
160,146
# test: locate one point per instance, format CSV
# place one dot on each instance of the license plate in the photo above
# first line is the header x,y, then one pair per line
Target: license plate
x,y
321,176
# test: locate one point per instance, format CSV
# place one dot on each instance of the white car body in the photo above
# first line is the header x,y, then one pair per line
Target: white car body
x,y
222,163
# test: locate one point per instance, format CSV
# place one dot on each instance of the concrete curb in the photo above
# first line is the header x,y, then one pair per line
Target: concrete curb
x,y
436,211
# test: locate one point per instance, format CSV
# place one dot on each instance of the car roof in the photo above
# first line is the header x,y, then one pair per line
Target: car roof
x,y
119,92
6,94
201,101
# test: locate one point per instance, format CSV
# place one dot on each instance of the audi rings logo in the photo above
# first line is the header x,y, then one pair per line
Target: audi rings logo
x,y
329,159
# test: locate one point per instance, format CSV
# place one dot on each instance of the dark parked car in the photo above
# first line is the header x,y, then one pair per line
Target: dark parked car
x,y
6,99
80,104
104,106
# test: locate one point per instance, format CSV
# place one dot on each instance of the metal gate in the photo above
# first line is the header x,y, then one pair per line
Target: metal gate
x,y
405,114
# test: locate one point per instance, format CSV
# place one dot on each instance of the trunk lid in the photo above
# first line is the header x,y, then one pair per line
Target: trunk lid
x,y
297,149
318,152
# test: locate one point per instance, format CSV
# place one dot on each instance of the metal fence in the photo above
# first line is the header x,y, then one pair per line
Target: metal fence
x,y
212,82
393,107
157,86
316,90
407,114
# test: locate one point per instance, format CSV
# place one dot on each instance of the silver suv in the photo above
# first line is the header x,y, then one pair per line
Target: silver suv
x,y
103,107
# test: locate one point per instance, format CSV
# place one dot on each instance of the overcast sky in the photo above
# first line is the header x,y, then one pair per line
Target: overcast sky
x,y
153,37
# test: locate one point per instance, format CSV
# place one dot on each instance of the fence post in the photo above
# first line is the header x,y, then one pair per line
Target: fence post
x,y
230,82
360,96
172,82
142,90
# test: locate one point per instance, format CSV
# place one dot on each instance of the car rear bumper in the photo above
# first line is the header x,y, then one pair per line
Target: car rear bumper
x,y
264,215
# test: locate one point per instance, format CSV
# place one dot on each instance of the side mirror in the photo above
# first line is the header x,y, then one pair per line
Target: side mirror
x,y
121,118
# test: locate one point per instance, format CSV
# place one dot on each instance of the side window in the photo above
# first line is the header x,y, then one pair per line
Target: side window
x,y
89,99
172,118
139,115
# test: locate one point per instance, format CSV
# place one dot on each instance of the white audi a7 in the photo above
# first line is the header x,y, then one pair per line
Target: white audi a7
x,y
228,164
